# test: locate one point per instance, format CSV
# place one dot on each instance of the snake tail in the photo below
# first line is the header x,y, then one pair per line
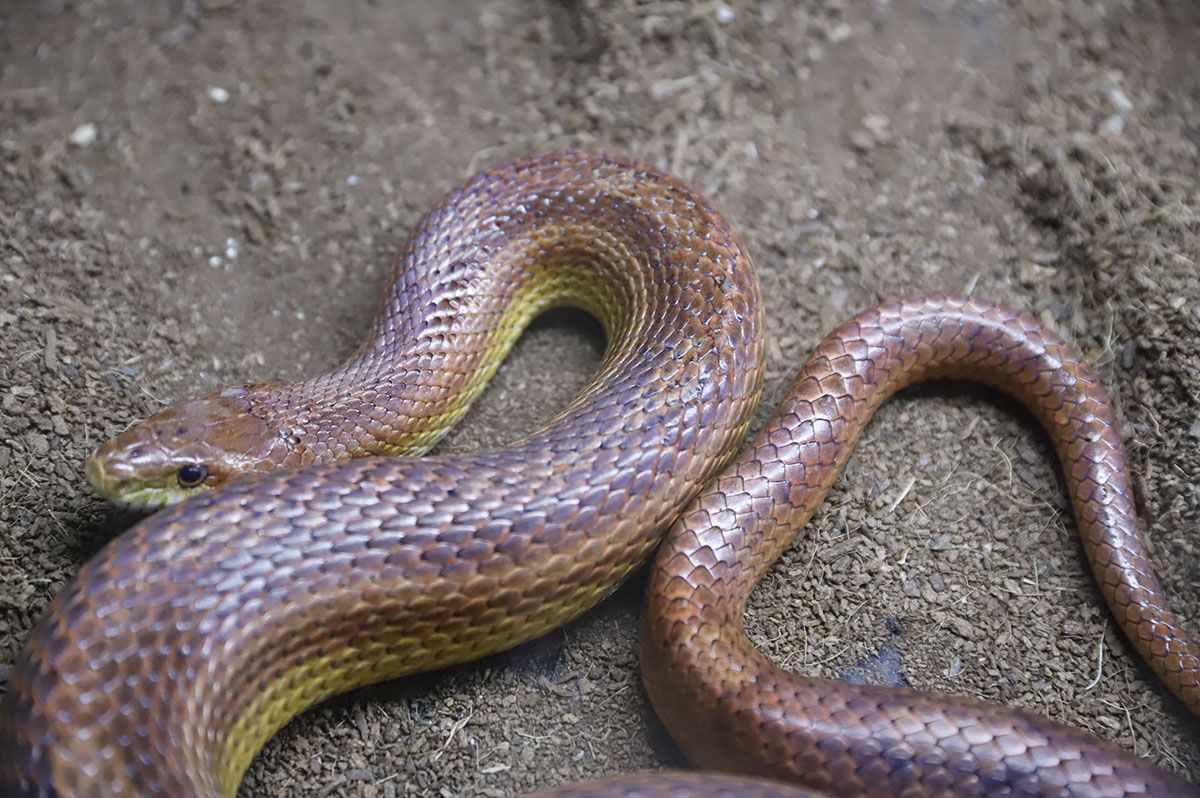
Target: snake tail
x,y
731,709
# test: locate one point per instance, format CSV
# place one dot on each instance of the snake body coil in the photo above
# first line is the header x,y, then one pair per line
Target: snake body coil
x,y
168,661
164,666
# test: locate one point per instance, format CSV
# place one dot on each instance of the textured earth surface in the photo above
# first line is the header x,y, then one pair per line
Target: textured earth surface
x,y
201,191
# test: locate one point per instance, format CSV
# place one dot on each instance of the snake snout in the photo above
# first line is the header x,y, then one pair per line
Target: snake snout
x,y
133,471
105,479
94,469
107,485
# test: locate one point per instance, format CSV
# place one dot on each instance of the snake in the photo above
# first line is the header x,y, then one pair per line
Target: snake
x,y
304,544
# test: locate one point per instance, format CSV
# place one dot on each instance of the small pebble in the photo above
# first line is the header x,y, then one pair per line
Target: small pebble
x,y
218,94
1128,353
877,125
38,443
1120,100
841,33
84,135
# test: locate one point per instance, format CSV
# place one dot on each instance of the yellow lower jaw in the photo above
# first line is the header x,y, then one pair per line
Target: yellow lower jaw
x,y
145,499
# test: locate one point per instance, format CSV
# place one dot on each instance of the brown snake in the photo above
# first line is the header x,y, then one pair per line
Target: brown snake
x,y
169,660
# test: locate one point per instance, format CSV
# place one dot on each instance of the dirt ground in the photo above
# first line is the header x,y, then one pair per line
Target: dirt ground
x,y
197,192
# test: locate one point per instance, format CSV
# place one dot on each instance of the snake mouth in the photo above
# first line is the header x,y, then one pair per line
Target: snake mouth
x,y
128,494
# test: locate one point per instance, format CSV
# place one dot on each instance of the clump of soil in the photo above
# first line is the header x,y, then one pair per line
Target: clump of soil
x,y
207,192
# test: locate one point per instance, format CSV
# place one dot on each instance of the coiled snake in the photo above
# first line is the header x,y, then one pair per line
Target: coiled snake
x,y
170,659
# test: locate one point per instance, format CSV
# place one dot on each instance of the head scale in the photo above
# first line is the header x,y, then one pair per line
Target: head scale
x,y
182,451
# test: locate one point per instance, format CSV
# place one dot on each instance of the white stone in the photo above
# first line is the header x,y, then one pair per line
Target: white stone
x,y
84,135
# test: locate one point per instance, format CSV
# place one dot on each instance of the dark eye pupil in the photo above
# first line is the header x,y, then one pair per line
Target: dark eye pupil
x,y
192,474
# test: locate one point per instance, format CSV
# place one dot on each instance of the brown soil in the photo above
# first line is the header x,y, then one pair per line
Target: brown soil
x,y
1045,154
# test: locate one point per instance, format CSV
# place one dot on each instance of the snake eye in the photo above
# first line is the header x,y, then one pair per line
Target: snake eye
x,y
192,475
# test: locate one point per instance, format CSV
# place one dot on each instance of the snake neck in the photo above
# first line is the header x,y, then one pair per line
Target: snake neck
x,y
408,386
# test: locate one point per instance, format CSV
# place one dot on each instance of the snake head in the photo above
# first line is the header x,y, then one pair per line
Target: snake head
x,y
182,451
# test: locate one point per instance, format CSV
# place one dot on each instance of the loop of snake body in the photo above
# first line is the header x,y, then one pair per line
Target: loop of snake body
x,y
292,573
